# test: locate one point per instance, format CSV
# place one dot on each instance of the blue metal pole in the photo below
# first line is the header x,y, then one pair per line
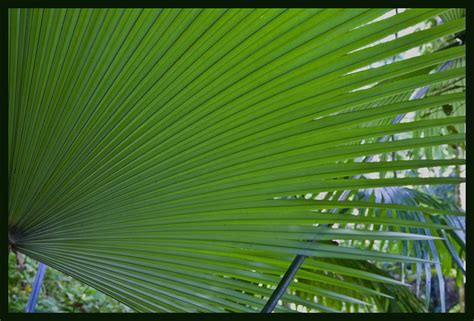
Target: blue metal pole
x,y
33,299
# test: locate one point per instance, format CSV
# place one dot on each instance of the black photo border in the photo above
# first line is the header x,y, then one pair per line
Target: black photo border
x,y
5,5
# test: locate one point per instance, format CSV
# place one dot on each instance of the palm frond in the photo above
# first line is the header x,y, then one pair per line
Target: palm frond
x,y
152,151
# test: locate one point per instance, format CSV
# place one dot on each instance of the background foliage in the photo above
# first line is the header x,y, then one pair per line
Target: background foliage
x,y
59,292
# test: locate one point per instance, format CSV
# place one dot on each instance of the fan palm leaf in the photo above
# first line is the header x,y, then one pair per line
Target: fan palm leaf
x,y
152,151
